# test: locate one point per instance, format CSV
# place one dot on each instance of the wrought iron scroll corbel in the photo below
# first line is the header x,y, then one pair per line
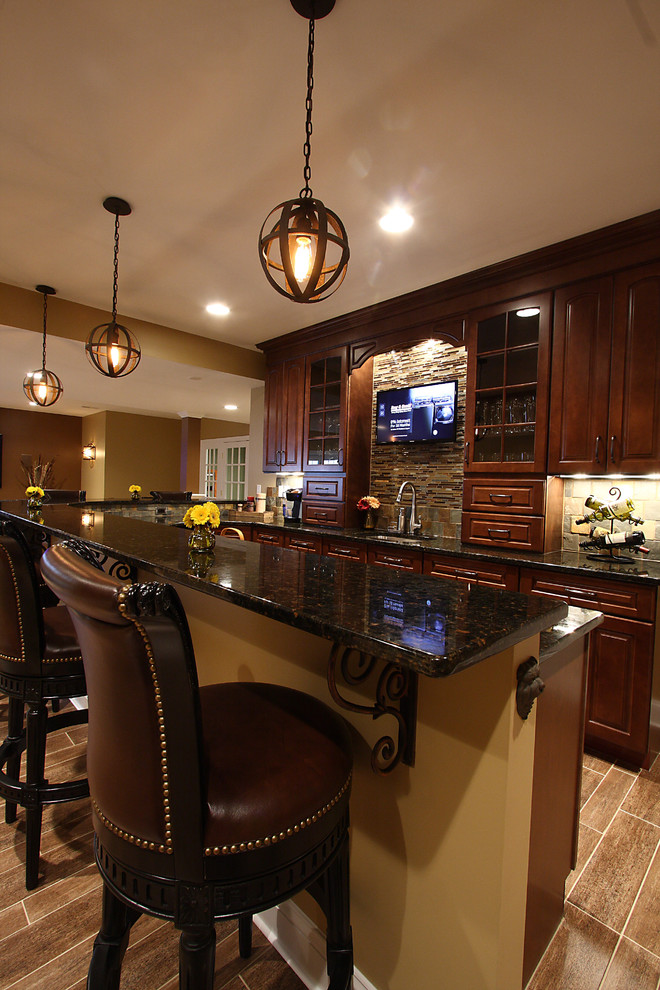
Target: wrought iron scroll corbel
x,y
529,686
396,695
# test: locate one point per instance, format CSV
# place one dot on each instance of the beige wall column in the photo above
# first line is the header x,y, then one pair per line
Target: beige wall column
x,y
439,852
191,430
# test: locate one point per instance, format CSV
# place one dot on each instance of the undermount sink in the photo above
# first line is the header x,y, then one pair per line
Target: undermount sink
x,y
403,536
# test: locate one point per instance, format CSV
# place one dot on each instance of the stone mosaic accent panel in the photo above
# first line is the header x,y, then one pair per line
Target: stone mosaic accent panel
x,y
436,469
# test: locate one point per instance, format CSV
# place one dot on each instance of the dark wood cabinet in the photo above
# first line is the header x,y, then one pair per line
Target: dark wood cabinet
x,y
275,537
346,549
471,571
337,438
522,514
620,668
283,416
605,402
392,556
304,542
508,386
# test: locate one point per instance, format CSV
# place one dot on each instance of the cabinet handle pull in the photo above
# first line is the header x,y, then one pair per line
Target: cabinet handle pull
x,y
470,575
612,457
340,456
321,491
467,451
398,561
493,533
599,440
501,496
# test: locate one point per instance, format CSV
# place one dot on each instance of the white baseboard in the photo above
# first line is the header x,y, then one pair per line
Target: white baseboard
x,y
302,944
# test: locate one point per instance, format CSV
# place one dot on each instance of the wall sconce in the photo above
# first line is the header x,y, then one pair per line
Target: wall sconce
x,y
87,520
89,452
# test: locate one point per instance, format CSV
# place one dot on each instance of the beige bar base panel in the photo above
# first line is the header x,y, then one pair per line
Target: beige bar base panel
x,y
439,852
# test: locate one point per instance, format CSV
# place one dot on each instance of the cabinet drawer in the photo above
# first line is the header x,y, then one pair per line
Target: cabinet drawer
x,y
323,488
403,560
303,542
345,549
516,532
472,571
273,536
630,601
495,495
323,514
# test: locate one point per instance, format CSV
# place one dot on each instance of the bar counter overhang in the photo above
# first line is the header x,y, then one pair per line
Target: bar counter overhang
x,y
441,849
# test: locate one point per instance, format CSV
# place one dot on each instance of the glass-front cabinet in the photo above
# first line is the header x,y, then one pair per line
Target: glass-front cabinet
x,y
325,412
507,387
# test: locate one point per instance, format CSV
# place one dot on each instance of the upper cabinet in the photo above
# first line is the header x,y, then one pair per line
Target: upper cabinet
x,y
283,416
507,387
326,412
605,402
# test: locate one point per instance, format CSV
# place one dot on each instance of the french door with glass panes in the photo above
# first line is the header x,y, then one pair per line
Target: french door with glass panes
x,y
224,468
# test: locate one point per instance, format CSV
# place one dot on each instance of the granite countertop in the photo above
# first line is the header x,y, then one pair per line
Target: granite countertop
x,y
639,568
435,627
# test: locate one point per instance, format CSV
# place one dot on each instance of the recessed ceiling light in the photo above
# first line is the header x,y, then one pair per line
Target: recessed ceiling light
x,y
231,408
218,309
396,221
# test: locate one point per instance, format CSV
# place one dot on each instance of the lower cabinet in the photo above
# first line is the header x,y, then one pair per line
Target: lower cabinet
x,y
391,556
471,571
620,668
304,542
346,549
275,536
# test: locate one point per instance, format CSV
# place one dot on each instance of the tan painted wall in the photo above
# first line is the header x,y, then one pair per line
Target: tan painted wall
x,y
439,852
93,472
38,432
141,450
212,428
24,308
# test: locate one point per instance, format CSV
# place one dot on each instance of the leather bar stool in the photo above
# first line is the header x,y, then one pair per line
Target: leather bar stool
x,y
231,533
40,662
209,802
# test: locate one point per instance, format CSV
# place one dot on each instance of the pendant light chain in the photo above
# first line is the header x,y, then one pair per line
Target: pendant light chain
x,y
116,275
306,192
43,365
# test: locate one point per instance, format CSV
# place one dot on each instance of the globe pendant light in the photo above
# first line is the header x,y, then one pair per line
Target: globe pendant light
x,y
43,386
303,246
111,347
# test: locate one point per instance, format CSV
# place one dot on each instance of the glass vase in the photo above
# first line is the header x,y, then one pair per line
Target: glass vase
x,y
135,496
201,539
33,502
370,519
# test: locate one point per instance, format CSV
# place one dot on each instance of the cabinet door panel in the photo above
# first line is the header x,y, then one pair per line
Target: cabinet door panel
x,y
409,560
580,378
515,532
619,689
471,571
508,373
634,433
273,411
292,423
345,549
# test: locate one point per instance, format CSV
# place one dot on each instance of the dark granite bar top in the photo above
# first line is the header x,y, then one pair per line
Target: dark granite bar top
x,y
435,627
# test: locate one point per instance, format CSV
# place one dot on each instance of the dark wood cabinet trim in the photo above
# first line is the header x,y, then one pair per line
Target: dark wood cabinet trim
x,y
436,311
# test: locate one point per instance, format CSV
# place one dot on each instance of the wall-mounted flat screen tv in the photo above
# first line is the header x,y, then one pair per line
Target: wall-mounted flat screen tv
x,y
417,413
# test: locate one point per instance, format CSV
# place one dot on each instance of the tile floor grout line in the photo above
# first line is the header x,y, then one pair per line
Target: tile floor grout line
x,y
51,887
48,913
25,976
639,890
625,924
639,818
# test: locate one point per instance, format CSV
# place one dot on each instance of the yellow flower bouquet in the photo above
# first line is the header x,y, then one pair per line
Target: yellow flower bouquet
x,y
135,492
34,496
202,519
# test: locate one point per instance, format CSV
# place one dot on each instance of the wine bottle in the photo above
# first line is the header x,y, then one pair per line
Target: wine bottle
x,y
621,510
601,540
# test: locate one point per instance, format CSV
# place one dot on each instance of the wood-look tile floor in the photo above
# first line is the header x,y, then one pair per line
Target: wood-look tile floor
x,y
46,935
609,938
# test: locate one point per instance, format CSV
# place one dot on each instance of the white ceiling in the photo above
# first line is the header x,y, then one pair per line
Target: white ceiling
x,y
503,125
